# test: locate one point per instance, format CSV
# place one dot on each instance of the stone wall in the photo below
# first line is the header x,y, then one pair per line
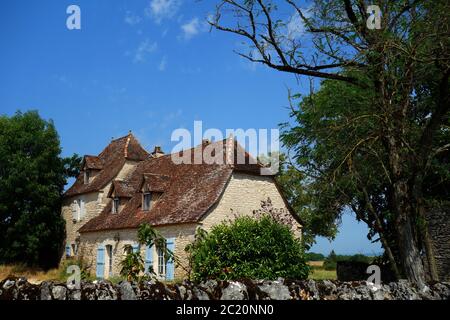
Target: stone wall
x,y
20,289
118,239
439,226
242,195
94,204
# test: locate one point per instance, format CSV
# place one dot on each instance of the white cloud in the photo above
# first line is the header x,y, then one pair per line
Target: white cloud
x,y
163,64
145,47
193,28
159,10
132,19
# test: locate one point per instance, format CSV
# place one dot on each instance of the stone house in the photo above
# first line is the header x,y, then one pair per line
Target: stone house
x,y
124,186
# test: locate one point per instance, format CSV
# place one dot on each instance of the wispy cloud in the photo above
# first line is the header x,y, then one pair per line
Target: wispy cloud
x,y
160,10
145,47
192,28
132,19
163,64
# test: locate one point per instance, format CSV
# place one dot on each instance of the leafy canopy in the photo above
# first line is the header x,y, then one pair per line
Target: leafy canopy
x,y
248,248
32,179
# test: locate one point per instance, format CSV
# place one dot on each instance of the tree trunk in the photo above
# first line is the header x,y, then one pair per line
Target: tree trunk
x,y
409,253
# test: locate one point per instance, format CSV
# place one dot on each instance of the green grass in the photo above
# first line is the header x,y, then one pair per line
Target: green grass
x,y
319,273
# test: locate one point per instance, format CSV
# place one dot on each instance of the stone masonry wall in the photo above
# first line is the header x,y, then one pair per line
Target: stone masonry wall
x,y
184,235
439,226
20,289
244,194
94,204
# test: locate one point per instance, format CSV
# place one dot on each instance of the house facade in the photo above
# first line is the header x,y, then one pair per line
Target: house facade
x,y
124,187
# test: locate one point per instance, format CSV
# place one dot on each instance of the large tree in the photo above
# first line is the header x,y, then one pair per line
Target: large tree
x,y
32,179
405,61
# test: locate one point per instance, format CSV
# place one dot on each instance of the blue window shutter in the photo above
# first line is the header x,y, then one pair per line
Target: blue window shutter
x,y
170,271
148,259
135,247
100,272
67,251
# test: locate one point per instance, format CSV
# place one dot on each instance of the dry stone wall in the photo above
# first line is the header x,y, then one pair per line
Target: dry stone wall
x,y
21,289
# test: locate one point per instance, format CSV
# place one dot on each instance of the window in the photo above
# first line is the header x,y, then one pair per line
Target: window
x,y
116,204
146,201
74,249
109,253
87,175
162,263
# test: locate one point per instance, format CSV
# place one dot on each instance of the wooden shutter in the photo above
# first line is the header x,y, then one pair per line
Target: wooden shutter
x,y
149,259
170,269
100,272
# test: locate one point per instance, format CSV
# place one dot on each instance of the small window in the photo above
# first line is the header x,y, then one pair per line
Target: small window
x,y
74,249
146,201
162,263
87,175
116,204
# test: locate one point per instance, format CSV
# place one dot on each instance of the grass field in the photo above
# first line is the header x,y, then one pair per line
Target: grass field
x,y
33,275
319,273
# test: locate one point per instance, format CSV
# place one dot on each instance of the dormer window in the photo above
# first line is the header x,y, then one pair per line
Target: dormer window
x,y
115,205
146,201
87,175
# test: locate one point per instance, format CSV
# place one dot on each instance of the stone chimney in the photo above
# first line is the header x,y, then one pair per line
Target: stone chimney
x,y
157,152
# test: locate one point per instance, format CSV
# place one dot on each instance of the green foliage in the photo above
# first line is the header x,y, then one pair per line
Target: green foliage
x,y
80,262
331,261
132,265
248,248
313,256
295,186
32,179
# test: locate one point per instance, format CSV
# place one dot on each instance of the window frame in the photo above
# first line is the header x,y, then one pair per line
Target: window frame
x,y
115,205
162,262
146,206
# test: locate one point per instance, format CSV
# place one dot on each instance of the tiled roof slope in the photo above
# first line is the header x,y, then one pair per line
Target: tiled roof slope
x,y
109,162
188,193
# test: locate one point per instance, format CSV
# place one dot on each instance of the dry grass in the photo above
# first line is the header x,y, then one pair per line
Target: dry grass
x,y
32,274
316,263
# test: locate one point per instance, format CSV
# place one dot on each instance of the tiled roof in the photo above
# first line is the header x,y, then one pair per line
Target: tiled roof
x,y
109,161
189,190
121,189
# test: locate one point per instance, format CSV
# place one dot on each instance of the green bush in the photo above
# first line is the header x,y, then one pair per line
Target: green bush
x,y
248,248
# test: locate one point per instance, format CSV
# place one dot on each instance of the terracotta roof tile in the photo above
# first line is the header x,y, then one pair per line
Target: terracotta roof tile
x,y
189,191
112,159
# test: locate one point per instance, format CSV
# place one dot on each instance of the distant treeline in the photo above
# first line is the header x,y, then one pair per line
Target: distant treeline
x,y
331,260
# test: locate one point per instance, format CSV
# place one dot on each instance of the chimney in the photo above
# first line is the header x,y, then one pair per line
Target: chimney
x,y
157,152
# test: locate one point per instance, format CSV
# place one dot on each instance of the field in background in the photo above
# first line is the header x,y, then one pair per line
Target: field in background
x,y
33,275
319,273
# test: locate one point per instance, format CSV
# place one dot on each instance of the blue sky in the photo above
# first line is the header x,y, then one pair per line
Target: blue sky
x,y
149,66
